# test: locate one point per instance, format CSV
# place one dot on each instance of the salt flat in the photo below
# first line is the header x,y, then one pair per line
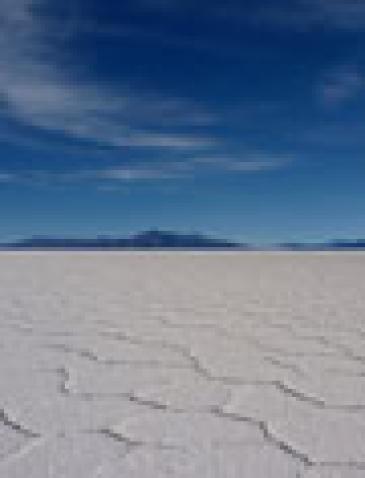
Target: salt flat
x,y
187,365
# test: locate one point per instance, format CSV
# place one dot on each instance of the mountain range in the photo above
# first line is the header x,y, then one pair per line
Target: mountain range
x,y
156,239
153,239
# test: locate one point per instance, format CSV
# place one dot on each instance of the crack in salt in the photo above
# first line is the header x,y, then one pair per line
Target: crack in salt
x,y
298,395
9,422
267,434
132,444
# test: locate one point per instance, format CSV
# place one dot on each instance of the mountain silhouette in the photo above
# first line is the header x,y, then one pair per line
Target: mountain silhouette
x,y
153,239
157,239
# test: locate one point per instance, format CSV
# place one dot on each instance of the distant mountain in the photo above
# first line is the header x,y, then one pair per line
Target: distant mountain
x,y
341,244
153,239
156,239
335,245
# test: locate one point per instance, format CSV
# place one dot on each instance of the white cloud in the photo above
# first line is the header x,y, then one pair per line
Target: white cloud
x,y
100,176
244,163
129,174
155,171
83,112
37,93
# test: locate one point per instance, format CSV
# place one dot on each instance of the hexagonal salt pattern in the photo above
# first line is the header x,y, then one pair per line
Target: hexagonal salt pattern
x,y
184,365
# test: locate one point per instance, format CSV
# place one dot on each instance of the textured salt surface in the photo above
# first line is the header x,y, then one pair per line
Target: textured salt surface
x,y
187,365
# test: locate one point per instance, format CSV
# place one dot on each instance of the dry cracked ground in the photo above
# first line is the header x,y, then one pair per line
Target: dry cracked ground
x,y
186,365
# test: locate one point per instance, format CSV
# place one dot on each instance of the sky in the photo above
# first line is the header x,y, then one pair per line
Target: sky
x,y
243,120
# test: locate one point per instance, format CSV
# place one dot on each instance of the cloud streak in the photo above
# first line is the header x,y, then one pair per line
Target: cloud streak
x,y
249,162
150,172
36,93
118,174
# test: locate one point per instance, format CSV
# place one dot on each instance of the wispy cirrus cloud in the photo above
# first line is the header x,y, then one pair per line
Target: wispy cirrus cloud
x,y
36,92
247,162
150,171
140,174
120,174
106,118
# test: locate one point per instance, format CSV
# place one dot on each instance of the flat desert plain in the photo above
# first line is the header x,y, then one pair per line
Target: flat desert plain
x,y
186,365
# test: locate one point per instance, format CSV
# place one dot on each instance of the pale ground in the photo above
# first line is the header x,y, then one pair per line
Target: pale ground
x,y
186,365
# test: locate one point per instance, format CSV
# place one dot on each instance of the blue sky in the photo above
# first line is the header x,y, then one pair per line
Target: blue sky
x,y
238,119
